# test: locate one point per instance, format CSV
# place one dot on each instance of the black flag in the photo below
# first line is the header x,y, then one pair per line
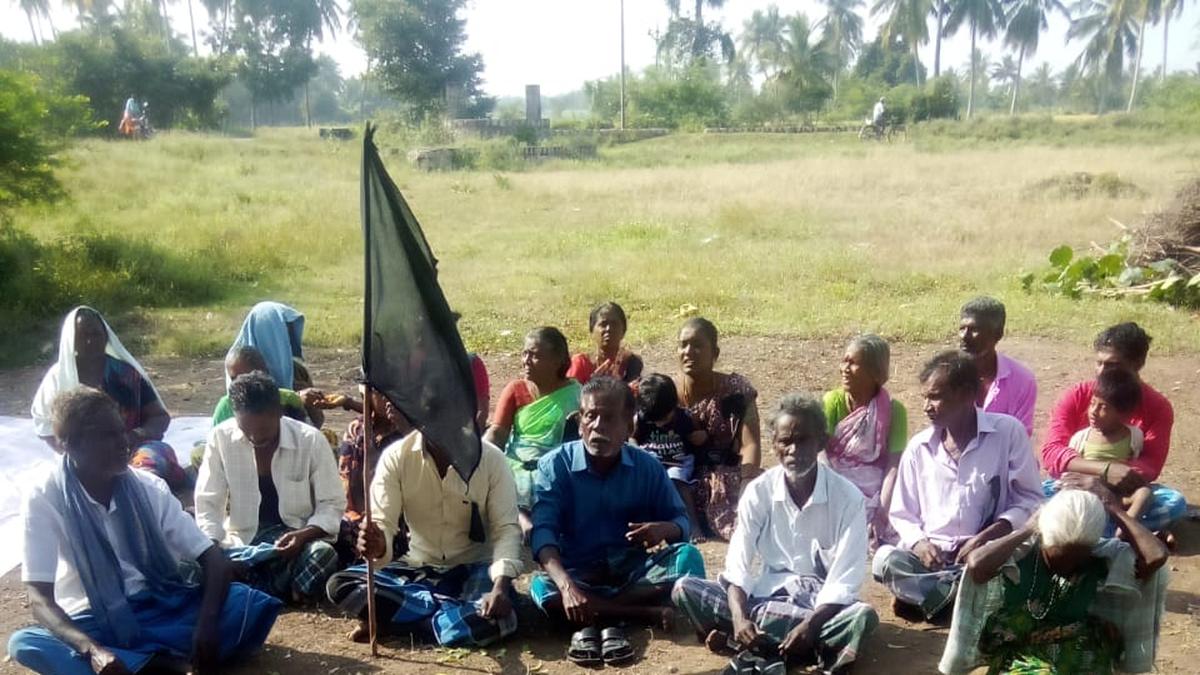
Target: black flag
x,y
412,352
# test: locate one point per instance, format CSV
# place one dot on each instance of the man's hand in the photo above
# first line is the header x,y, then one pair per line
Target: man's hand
x,y
577,605
966,548
496,605
1092,484
800,640
928,554
649,535
290,544
371,542
206,648
746,632
105,662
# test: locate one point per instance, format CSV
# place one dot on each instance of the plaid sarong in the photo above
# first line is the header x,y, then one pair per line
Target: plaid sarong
x,y
440,603
1167,505
624,570
303,576
1134,607
910,581
706,605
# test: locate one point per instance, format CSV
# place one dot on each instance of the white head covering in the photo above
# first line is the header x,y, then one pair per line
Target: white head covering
x,y
64,375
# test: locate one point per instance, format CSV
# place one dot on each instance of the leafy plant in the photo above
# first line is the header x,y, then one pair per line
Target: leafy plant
x,y
1114,273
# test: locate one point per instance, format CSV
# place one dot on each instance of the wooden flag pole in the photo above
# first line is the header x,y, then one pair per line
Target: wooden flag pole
x,y
368,457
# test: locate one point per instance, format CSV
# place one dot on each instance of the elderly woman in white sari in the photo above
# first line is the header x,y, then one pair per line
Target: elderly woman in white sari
x,y
1055,597
868,430
91,354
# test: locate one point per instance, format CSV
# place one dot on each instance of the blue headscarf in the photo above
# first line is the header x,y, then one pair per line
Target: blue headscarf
x,y
275,330
96,559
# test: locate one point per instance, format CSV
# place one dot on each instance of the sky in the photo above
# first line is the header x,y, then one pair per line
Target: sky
x,y
559,44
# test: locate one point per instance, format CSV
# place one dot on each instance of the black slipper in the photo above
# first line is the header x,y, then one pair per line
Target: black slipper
x,y
615,646
585,648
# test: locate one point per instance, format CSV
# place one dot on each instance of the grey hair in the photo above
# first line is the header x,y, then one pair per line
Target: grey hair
x,y
804,407
876,355
1072,518
988,311
77,410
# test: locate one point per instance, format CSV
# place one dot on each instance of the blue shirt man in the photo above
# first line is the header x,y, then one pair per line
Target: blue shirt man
x,y
601,511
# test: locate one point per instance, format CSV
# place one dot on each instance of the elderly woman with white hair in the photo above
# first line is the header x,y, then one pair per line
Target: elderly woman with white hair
x,y
1054,597
868,430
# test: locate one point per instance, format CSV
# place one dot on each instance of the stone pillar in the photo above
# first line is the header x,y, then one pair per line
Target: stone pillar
x,y
533,105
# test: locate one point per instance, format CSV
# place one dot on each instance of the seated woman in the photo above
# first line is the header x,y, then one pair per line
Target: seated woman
x,y
725,406
531,415
276,331
1054,597
607,325
90,354
101,564
868,430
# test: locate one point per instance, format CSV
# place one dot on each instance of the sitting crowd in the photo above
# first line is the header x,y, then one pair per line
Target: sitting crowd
x,y
606,478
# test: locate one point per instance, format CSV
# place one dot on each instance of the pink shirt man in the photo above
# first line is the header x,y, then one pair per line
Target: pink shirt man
x,y
1013,392
949,502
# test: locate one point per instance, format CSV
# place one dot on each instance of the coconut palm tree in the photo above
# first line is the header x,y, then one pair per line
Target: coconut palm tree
x,y
940,10
1026,21
1108,29
1170,8
804,65
1147,10
762,38
841,34
907,20
699,43
34,10
984,18
327,18
1006,72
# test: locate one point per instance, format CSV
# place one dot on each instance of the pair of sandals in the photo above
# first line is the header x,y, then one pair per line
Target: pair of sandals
x,y
748,663
592,647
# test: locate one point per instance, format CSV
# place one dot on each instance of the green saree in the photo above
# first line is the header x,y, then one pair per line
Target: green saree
x,y
537,429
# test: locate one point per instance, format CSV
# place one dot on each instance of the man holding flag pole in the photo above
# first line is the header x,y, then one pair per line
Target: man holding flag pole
x,y
453,490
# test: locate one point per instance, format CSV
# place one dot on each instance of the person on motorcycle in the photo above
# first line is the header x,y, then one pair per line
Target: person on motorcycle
x,y
133,119
878,114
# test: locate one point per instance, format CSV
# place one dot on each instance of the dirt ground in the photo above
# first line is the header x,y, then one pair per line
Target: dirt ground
x,y
312,641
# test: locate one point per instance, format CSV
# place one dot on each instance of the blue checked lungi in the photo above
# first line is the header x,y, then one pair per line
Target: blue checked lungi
x,y
624,570
444,604
1167,505
304,575
168,624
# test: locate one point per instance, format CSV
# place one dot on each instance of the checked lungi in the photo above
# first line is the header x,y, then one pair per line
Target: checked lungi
x,y
441,603
302,577
706,605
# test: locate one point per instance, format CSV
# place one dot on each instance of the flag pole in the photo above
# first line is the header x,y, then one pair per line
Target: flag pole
x,y
368,456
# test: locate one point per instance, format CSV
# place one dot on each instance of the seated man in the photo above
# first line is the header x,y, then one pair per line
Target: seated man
x,y
455,582
268,491
1006,386
807,526
103,544
964,481
599,505
1120,347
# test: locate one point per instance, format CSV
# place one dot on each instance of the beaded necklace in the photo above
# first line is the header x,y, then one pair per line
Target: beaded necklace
x,y
1060,589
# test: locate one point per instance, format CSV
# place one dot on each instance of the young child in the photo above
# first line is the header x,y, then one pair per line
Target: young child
x,y
668,432
1108,437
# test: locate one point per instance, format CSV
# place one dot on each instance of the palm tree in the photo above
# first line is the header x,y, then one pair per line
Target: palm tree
x,y
699,44
328,17
1006,71
762,38
34,9
804,65
1026,21
1148,10
984,17
940,9
841,34
907,20
1108,28
1041,85
1169,8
